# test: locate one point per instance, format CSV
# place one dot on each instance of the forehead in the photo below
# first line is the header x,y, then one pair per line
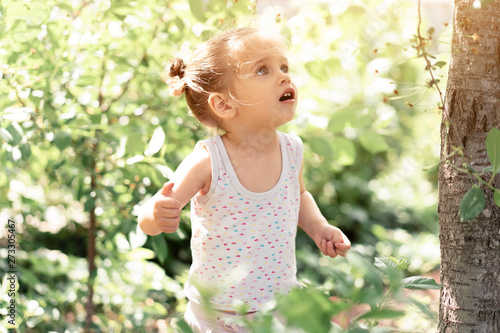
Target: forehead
x,y
258,46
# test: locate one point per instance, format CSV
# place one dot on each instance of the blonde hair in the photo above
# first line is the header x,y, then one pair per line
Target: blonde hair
x,y
210,70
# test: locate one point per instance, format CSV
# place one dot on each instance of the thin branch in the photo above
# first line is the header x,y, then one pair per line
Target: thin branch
x,y
9,83
105,107
421,41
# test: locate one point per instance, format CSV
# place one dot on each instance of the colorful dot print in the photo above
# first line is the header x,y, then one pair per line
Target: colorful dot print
x,y
243,243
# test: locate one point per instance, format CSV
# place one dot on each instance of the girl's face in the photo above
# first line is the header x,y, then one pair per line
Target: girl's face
x,y
262,89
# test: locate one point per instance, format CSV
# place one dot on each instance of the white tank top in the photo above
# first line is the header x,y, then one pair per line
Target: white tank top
x,y
243,243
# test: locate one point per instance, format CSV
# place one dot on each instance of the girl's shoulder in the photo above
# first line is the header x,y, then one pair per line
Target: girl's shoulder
x,y
293,141
293,138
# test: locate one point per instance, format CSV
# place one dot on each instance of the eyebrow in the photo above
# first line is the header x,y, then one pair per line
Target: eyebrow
x,y
267,58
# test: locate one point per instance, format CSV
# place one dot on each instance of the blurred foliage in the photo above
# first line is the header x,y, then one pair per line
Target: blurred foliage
x,y
87,125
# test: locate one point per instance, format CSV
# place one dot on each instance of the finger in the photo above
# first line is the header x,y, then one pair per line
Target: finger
x,y
169,230
168,222
167,189
167,203
342,247
322,247
331,250
166,213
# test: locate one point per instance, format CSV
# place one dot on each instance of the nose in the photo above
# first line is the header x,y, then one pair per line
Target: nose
x,y
284,78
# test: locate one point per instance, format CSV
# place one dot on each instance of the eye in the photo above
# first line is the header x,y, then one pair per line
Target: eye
x,y
284,68
262,71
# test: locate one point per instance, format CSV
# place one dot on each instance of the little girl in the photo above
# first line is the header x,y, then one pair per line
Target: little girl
x,y
245,186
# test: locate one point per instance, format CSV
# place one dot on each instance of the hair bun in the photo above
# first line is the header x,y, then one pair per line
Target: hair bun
x,y
177,68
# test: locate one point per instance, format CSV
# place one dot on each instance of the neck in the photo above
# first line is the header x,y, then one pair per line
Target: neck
x,y
247,142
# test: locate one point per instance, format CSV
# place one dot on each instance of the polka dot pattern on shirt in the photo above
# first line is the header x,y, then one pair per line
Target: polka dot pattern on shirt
x,y
243,243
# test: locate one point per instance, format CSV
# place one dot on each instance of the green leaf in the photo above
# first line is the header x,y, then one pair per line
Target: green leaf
x,y
89,204
440,64
16,133
373,142
178,235
308,309
472,204
197,9
381,314
5,135
25,150
160,247
493,148
390,269
182,326
62,140
134,144
420,283
344,151
401,263
27,277
320,146
496,197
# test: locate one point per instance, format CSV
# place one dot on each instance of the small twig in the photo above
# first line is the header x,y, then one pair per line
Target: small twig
x,y
12,86
421,41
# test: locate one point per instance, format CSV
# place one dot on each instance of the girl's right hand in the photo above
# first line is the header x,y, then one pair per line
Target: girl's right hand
x,y
167,210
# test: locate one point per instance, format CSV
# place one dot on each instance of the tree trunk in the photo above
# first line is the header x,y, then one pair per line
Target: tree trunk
x,y
470,250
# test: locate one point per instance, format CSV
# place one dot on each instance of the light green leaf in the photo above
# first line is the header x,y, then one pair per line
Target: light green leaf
x,y
420,282
493,148
472,204
160,247
156,142
320,146
401,263
197,9
373,142
344,151
440,64
134,144
496,197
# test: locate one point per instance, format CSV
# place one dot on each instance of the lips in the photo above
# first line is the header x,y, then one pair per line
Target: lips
x,y
288,95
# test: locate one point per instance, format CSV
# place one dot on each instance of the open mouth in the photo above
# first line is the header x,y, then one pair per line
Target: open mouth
x,y
287,96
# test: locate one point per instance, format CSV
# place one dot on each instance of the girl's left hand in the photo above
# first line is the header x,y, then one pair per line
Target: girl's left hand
x,y
332,242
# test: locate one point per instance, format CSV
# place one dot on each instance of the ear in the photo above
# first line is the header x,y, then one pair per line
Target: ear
x,y
220,106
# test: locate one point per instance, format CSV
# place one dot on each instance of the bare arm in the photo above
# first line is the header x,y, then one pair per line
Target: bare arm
x,y
162,212
330,240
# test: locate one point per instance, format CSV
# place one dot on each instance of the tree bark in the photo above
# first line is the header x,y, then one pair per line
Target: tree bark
x,y
470,250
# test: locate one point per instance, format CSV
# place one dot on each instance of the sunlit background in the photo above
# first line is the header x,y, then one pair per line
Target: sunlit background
x,y
89,129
